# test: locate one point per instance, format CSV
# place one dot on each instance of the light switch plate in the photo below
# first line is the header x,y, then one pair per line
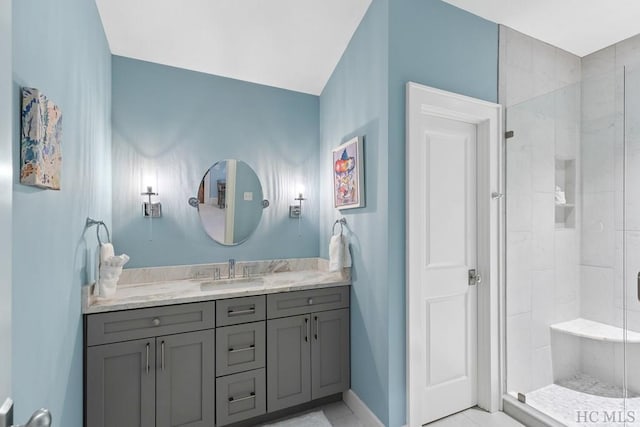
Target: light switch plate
x,y
6,413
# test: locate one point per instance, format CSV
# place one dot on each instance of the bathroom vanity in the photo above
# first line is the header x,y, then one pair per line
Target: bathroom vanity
x,y
201,352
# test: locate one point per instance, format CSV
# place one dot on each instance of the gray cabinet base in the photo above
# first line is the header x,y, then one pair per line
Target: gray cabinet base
x,y
289,411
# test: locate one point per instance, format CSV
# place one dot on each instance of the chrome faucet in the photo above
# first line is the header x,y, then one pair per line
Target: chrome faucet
x,y
232,268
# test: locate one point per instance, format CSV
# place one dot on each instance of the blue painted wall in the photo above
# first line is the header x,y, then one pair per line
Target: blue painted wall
x,y
425,41
60,48
355,102
6,197
179,123
438,45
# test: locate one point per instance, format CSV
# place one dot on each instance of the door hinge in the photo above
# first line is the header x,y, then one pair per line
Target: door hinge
x,y
509,134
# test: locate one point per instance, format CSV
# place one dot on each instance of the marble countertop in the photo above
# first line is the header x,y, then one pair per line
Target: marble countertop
x,y
288,275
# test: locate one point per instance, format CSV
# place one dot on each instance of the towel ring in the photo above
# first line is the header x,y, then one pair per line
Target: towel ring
x,y
105,229
91,222
342,223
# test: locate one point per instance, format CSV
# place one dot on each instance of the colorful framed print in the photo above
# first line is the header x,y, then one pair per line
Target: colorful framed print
x,y
348,175
40,153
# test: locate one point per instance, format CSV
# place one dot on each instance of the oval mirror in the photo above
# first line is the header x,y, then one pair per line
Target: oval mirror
x,y
230,202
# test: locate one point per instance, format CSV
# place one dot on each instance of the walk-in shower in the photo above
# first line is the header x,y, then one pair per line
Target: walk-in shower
x,y
573,250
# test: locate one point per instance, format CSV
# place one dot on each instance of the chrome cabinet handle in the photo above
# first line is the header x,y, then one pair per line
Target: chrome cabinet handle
x,y
156,322
238,350
316,333
241,312
310,301
250,396
162,354
147,358
639,286
306,329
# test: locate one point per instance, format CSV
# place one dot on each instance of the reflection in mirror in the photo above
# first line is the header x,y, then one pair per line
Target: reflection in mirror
x,y
230,202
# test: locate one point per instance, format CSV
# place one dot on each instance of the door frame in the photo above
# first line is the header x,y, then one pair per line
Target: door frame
x,y
487,116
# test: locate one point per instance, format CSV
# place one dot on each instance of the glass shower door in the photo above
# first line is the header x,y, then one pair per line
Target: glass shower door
x,y
567,351
630,241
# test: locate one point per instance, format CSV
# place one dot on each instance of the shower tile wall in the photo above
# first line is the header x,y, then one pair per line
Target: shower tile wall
x,y
602,248
542,260
604,231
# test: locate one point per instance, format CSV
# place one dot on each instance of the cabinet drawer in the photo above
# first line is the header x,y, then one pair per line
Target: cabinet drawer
x,y
128,325
240,348
240,310
302,302
240,397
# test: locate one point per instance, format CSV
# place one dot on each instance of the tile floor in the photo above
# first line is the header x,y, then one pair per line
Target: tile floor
x,y
339,415
476,417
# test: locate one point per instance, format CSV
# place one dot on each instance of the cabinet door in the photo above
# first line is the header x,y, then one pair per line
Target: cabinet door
x,y
185,379
288,362
121,384
329,353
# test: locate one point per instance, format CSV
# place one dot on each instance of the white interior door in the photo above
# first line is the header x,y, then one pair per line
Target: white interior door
x,y
441,249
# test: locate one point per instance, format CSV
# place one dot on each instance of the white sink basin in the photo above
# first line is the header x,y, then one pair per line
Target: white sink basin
x,y
230,283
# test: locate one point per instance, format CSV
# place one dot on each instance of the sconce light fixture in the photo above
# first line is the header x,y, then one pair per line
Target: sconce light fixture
x,y
295,211
151,209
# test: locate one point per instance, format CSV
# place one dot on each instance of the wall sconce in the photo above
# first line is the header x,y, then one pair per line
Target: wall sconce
x,y
151,209
149,181
295,211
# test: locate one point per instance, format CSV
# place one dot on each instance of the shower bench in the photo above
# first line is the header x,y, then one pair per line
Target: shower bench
x,y
590,329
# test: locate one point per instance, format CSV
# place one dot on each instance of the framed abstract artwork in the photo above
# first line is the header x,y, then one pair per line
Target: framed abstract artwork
x,y
348,175
40,153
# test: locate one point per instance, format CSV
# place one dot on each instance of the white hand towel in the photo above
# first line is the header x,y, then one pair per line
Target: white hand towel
x,y
347,253
109,270
106,252
336,253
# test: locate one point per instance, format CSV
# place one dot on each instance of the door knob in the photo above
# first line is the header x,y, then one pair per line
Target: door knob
x,y
40,418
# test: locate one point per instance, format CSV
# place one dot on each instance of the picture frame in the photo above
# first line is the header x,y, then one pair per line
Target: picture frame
x,y
348,175
40,144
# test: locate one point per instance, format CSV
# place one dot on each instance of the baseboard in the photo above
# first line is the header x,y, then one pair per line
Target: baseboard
x,y
361,410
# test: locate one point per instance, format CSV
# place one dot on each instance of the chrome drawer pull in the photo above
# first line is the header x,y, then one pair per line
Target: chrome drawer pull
x,y
241,312
162,351
238,350
156,322
147,358
251,396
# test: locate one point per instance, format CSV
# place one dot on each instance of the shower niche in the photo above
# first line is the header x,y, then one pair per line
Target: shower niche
x,y
565,193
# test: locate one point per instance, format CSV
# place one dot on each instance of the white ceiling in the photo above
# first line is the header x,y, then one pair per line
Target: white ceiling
x,y
578,26
290,44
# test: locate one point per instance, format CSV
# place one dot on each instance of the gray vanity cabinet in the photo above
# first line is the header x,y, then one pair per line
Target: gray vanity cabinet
x,y
216,363
307,354
185,380
288,362
121,384
151,367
